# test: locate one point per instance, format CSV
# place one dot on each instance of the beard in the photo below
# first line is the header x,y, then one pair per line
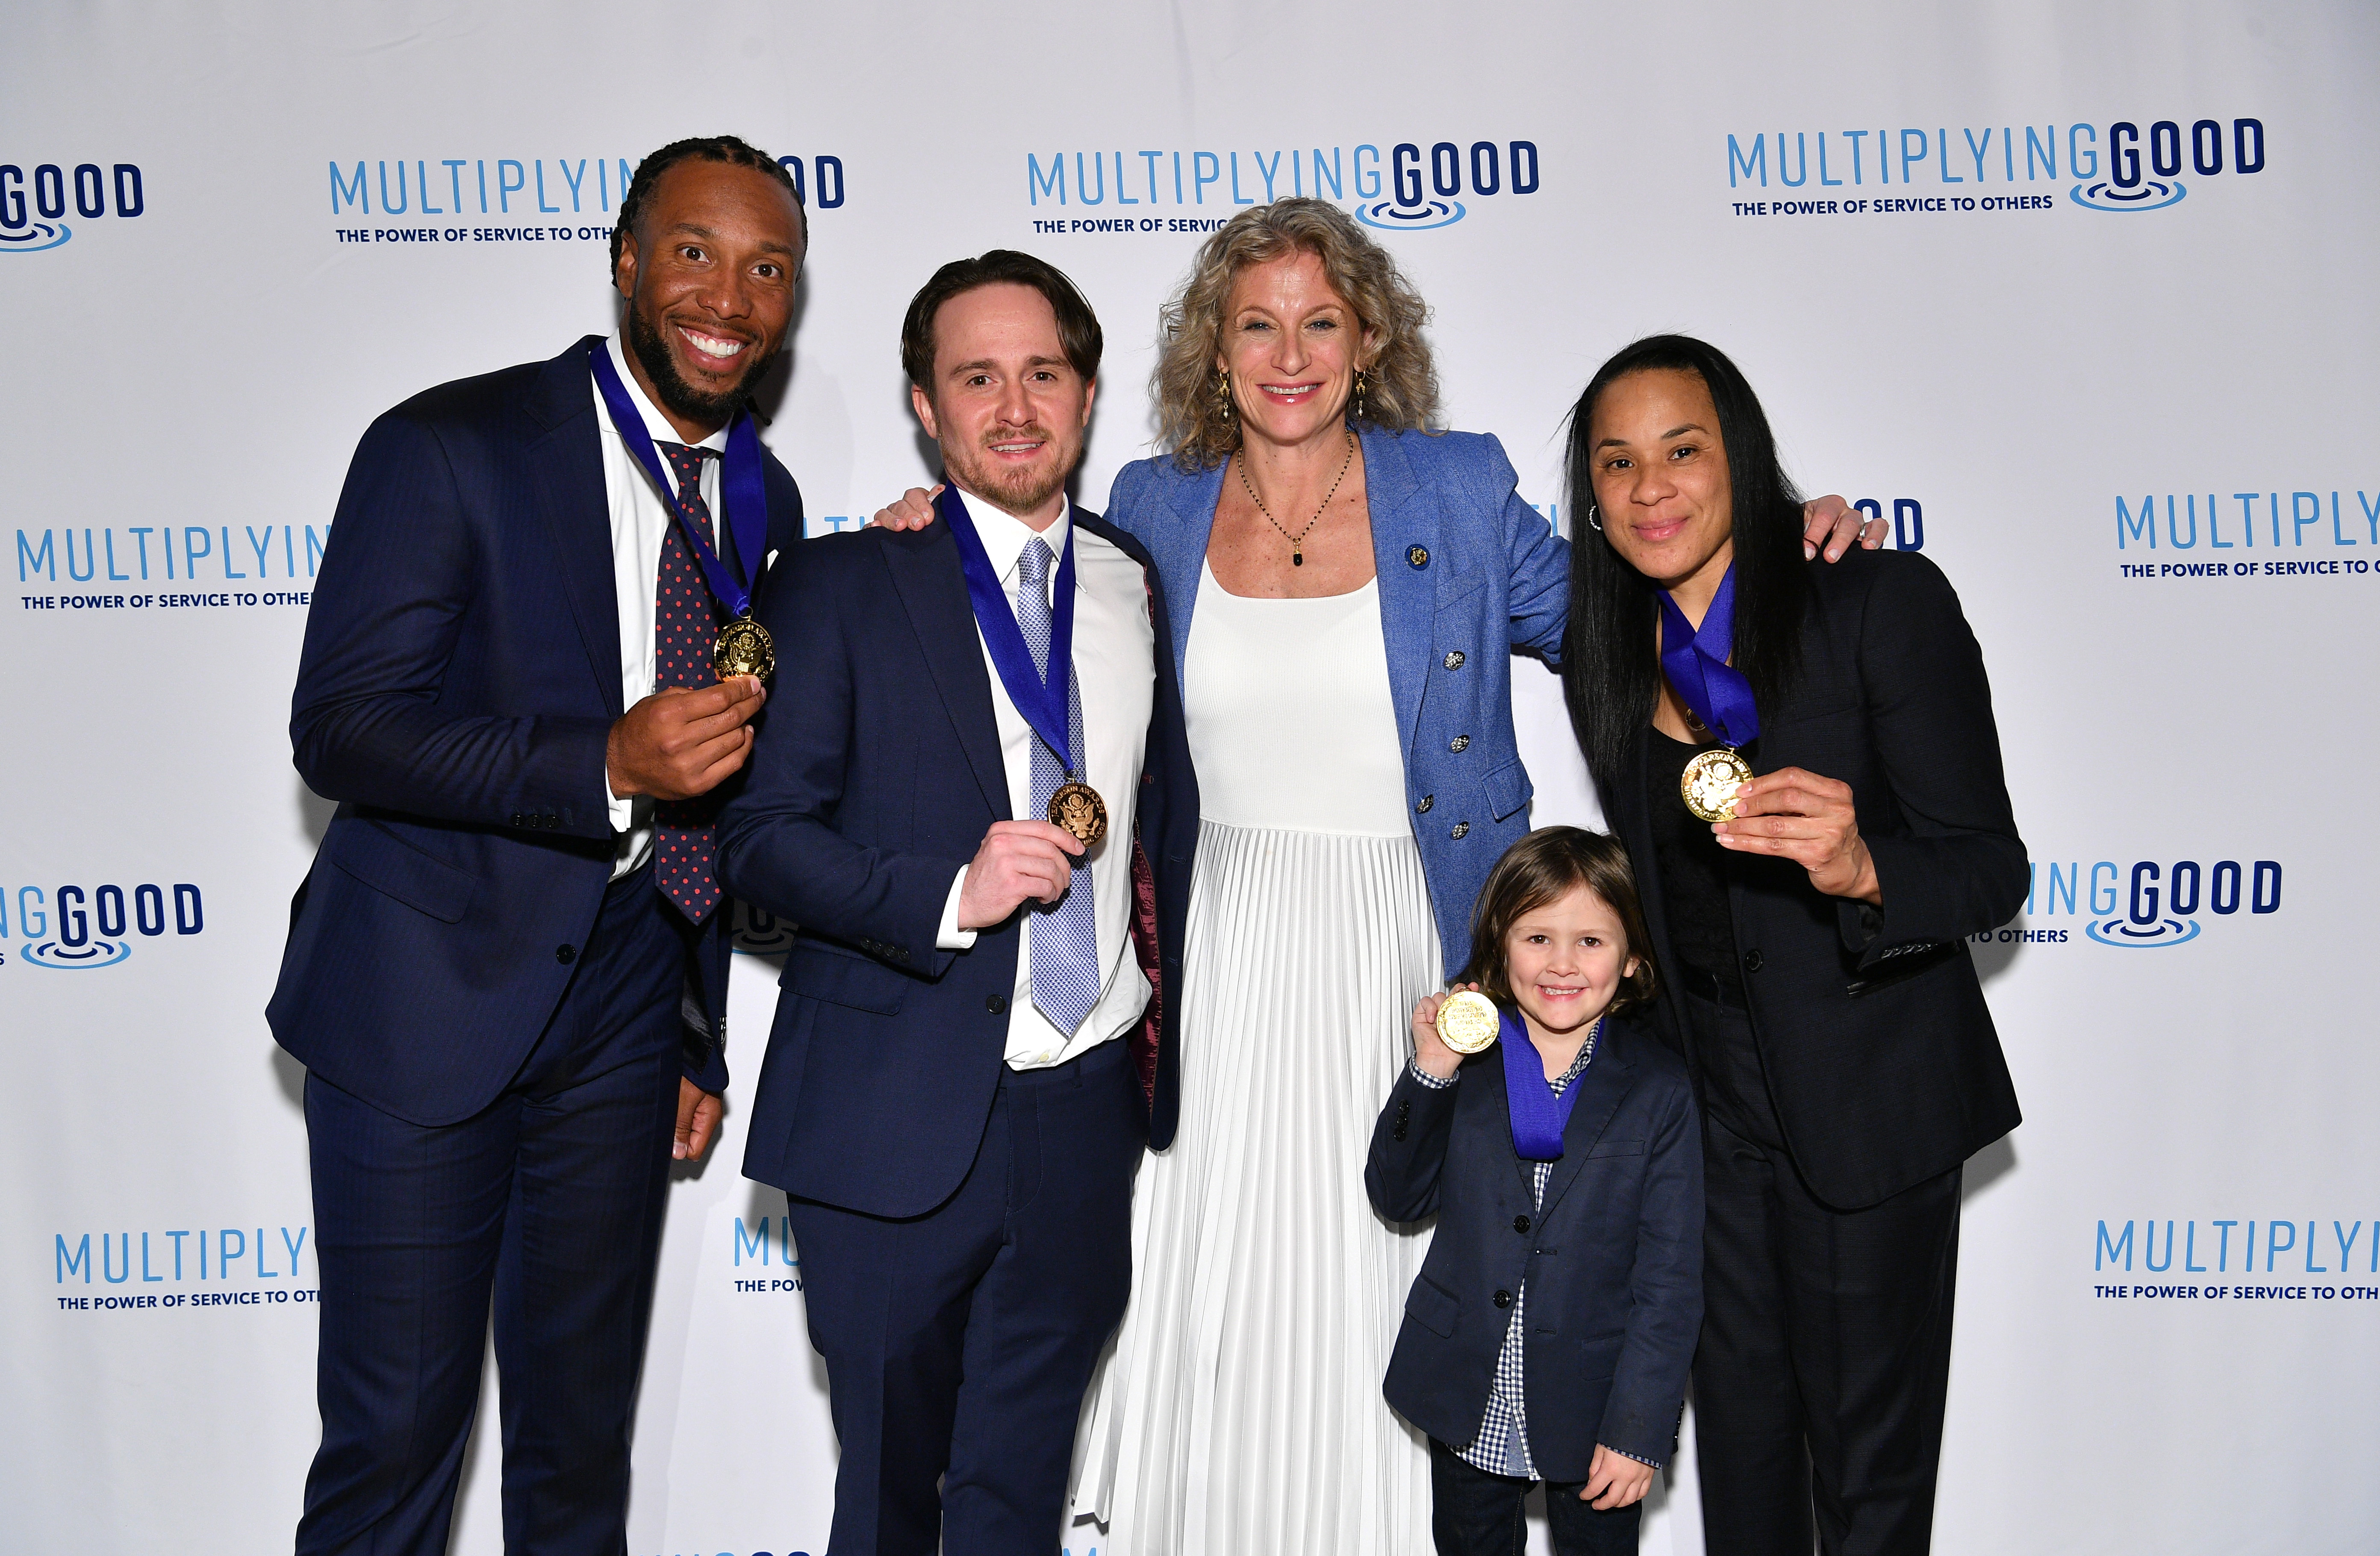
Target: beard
x,y
1016,491
677,395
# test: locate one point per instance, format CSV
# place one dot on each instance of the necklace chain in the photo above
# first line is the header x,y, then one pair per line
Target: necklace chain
x,y
1297,541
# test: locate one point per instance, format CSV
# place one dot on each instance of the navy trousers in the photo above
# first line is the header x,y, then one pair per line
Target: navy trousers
x,y
1474,1513
549,1203
1825,1363
958,1344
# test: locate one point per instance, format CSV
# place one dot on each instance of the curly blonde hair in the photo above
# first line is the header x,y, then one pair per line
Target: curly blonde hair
x,y
1401,378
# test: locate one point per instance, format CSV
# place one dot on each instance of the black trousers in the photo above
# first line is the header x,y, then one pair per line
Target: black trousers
x,y
958,1344
549,1202
1825,1359
1474,1513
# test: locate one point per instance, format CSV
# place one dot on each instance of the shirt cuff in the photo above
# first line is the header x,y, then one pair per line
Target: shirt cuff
x,y
949,937
1413,1067
623,813
1650,1463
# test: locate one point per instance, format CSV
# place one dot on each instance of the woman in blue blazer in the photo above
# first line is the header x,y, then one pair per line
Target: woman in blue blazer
x,y
1348,589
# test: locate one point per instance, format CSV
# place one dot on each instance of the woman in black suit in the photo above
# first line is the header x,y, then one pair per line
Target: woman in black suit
x,y
1822,993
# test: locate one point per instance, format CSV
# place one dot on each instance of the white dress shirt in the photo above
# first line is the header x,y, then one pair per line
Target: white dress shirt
x,y
1115,664
641,514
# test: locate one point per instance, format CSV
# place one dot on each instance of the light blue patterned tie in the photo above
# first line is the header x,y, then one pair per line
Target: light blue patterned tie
x,y
1065,950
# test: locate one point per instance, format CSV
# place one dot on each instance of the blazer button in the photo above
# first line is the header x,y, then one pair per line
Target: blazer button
x,y
1462,829
516,818
1420,805
1459,743
1398,1133
1503,1299
1455,660
565,955
996,1005
1751,961
1417,555
1520,1224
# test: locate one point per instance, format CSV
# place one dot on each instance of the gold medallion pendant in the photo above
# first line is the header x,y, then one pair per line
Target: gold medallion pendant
x,y
1710,780
1077,808
743,649
1468,1021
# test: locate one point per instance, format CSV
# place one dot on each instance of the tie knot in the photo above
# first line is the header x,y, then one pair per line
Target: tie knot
x,y
1036,563
687,460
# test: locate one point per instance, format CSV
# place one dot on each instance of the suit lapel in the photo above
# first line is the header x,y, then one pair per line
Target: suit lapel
x,y
1608,1077
565,465
925,567
1180,550
1404,524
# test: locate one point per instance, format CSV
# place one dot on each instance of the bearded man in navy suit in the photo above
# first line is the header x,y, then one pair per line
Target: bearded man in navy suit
x,y
506,972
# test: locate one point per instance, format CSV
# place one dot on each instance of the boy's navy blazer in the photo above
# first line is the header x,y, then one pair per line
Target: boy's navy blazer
x,y
876,773
1613,1259
460,676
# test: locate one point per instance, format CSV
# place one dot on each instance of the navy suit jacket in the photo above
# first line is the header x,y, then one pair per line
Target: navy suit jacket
x,y
460,676
876,773
1882,1059
1613,1259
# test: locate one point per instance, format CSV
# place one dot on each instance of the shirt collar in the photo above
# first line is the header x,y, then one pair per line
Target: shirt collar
x,y
1003,534
1578,1066
657,426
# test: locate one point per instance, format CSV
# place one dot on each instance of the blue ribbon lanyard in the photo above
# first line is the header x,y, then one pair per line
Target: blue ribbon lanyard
x,y
1044,700
1539,1116
1695,662
740,484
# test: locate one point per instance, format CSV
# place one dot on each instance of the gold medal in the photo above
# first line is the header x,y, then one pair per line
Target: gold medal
x,y
1710,780
743,649
1077,808
1468,1021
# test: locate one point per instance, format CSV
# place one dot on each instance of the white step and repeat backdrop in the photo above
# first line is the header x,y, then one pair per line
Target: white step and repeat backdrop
x,y
2082,300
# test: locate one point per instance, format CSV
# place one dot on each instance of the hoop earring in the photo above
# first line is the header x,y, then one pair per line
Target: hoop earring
x,y
1593,521
1363,381
1223,406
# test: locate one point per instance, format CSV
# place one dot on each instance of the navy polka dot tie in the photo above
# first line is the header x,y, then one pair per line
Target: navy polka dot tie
x,y
685,624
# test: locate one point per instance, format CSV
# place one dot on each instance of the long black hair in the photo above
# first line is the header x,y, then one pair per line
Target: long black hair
x,y
1611,669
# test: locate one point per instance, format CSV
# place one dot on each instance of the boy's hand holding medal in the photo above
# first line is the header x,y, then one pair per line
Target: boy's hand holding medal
x,y
1434,1024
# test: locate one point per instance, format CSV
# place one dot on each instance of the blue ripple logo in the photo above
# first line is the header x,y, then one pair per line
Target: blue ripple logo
x,y
90,954
2152,194
2124,932
1390,216
34,238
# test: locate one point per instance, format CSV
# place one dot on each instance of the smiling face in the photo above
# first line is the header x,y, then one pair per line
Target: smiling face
x,y
1006,405
1292,346
709,274
1566,960
1661,477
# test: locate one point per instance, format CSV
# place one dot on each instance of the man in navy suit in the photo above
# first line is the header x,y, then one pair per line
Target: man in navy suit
x,y
507,969
974,1038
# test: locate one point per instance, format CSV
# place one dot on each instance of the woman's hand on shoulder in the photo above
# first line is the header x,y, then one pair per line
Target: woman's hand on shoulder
x,y
914,511
1800,816
1833,524
1430,1050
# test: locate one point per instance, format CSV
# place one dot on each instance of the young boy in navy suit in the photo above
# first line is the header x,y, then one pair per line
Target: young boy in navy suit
x,y
1549,1334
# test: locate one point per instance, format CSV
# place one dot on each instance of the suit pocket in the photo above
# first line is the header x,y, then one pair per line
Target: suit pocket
x,y
1432,1306
840,977
1901,967
1615,1147
1507,789
395,868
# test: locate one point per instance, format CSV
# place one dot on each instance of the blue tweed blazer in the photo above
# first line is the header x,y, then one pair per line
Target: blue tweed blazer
x,y
1468,573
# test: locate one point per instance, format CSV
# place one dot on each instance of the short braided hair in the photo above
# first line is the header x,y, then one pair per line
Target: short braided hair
x,y
728,149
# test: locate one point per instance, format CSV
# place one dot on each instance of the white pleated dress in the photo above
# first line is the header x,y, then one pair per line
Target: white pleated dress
x,y
1239,1410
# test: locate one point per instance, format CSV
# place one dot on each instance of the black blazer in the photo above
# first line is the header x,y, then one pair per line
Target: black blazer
x,y
1614,1260
875,775
459,680
1882,1060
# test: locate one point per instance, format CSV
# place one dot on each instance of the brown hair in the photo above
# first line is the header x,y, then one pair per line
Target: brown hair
x,y
1542,867
1078,327
1401,388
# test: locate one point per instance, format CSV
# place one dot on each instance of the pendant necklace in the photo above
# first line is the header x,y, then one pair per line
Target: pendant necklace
x,y
1297,541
